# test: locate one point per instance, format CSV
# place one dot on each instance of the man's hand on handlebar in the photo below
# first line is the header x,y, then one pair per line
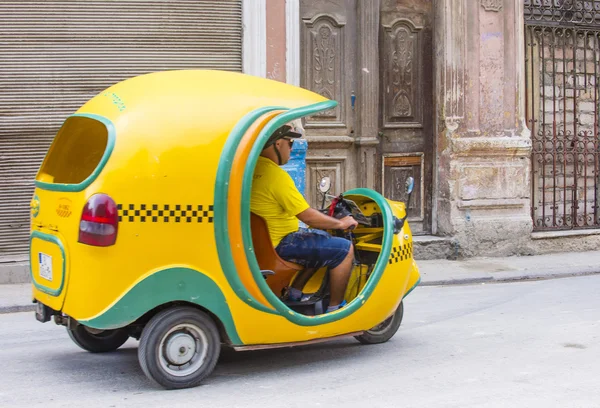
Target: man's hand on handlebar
x,y
348,222
316,219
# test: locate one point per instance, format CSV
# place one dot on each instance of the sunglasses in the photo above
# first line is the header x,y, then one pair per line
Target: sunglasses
x,y
290,141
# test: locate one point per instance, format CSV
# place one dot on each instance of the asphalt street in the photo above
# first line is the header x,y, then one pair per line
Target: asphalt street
x,y
525,344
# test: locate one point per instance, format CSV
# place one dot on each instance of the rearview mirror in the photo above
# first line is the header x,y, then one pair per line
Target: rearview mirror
x,y
325,185
410,185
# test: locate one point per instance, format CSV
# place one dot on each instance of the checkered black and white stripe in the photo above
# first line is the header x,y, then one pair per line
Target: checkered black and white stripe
x,y
401,253
166,213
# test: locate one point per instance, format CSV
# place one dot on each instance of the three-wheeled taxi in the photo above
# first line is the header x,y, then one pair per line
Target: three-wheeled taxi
x,y
141,227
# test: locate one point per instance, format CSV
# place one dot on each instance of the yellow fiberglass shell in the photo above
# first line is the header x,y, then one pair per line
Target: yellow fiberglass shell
x,y
169,129
180,141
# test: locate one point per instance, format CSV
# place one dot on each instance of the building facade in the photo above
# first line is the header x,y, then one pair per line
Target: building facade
x,y
57,54
491,105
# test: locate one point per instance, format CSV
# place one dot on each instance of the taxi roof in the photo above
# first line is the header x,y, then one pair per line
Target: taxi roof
x,y
175,101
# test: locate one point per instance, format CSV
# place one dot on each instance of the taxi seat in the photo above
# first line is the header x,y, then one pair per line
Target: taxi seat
x,y
268,259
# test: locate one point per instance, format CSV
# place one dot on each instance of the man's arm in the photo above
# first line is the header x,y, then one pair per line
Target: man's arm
x,y
316,219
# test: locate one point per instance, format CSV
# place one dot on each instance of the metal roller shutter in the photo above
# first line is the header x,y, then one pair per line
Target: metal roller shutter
x,y
55,55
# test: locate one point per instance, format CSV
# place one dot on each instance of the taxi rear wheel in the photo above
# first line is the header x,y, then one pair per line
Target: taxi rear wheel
x,y
97,341
179,347
385,330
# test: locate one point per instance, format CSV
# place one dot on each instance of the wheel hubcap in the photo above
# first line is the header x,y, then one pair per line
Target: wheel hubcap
x,y
180,348
183,350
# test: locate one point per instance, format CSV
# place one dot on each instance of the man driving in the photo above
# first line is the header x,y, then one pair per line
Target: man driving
x,y
277,200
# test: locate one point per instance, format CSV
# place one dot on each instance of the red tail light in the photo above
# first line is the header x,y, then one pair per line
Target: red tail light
x,y
99,221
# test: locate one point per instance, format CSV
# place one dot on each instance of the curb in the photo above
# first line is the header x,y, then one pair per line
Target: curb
x,y
14,273
444,282
508,279
456,282
16,309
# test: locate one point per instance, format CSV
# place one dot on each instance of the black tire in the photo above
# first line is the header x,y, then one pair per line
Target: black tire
x,y
96,341
385,330
179,347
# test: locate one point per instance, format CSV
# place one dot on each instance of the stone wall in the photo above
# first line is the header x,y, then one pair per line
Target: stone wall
x,y
483,145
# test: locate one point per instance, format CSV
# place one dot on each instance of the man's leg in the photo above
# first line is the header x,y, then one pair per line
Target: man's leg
x,y
302,278
339,276
313,249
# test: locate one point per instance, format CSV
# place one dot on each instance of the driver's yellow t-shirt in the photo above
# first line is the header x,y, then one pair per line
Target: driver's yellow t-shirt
x,y
276,199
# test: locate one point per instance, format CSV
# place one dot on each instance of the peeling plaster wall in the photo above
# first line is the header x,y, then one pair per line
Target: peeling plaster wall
x,y
276,40
483,148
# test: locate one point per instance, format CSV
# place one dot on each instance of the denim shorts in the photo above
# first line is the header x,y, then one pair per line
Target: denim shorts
x,y
313,248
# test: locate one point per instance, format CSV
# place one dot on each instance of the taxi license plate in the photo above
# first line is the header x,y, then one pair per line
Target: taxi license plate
x,y
45,266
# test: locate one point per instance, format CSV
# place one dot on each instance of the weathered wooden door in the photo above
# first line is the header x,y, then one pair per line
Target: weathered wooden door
x,y
406,108
336,56
328,54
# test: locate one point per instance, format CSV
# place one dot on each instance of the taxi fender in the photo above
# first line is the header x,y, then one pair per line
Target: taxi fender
x,y
174,284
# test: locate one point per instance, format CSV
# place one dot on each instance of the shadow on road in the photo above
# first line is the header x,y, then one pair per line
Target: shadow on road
x,y
253,363
120,370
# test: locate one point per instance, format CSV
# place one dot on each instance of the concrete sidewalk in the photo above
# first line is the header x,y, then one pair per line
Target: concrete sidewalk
x,y
516,268
17,297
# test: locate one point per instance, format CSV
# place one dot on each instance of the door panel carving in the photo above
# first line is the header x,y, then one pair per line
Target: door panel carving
x,y
324,48
402,85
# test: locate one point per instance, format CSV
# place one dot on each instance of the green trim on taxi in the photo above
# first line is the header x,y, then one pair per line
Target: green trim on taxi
x,y
221,190
53,239
92,177
165,286
413,288
220,207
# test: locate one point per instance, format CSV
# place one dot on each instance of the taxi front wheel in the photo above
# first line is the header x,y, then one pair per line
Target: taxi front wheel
x,y
179,347
385,330
97,341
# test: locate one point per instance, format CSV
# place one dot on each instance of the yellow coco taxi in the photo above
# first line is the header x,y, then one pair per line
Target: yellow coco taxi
x,y
141,227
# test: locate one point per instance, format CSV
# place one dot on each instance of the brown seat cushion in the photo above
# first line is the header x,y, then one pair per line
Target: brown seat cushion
x,y
267,256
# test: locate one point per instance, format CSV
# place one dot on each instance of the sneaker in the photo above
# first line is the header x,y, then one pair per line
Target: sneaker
x,y
338,307
294,295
